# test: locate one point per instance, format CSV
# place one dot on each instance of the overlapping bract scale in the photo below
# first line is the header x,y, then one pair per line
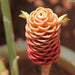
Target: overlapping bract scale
x,y
43,36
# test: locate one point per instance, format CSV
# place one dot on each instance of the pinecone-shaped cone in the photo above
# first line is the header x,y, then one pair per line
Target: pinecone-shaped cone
x,y
43,36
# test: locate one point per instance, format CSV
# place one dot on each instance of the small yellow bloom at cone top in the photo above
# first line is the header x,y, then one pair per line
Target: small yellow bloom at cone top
x,y
24,15
63,18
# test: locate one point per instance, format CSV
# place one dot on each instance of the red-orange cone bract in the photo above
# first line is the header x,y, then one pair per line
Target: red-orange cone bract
x,y
43,36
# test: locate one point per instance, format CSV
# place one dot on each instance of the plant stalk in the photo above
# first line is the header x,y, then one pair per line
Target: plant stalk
x,y
9,35
45,69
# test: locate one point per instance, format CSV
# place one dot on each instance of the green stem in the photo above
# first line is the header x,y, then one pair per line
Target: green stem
x,y
9,34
